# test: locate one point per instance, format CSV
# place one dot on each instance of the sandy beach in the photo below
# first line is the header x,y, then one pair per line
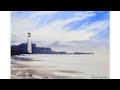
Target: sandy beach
x,y
25,71
59,67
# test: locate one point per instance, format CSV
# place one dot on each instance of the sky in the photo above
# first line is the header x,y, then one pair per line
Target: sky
x,y
63,30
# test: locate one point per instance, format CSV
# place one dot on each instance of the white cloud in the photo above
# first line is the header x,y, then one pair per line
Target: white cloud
x,y
54,31
97,25
20,28
51,32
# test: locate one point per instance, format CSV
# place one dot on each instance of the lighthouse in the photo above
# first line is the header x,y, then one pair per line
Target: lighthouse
x,y
29,45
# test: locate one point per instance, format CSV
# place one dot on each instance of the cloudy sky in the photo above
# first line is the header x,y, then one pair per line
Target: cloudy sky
x,y
62,30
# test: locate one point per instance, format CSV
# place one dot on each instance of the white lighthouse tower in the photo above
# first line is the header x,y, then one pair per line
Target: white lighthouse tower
x,y
29,45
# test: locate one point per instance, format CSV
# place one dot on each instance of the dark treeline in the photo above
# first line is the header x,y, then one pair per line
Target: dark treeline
x,y
22,49
83,53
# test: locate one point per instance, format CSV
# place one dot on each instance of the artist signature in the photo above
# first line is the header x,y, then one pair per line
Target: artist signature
x,y
99,77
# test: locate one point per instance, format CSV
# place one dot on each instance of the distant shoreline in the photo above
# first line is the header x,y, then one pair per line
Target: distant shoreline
x,y
59,54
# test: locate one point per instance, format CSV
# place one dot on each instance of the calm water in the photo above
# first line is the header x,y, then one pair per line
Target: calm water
x,y
76,66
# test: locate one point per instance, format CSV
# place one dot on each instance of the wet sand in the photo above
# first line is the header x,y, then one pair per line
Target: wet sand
x,y
59,67
27,71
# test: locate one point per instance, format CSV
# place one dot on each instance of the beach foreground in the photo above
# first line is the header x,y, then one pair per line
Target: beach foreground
x,y
45,66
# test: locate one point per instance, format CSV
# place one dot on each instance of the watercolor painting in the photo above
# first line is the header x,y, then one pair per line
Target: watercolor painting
x,y
60,44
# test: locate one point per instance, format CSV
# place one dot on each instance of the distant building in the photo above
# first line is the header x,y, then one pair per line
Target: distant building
x,y
22,49
30,48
